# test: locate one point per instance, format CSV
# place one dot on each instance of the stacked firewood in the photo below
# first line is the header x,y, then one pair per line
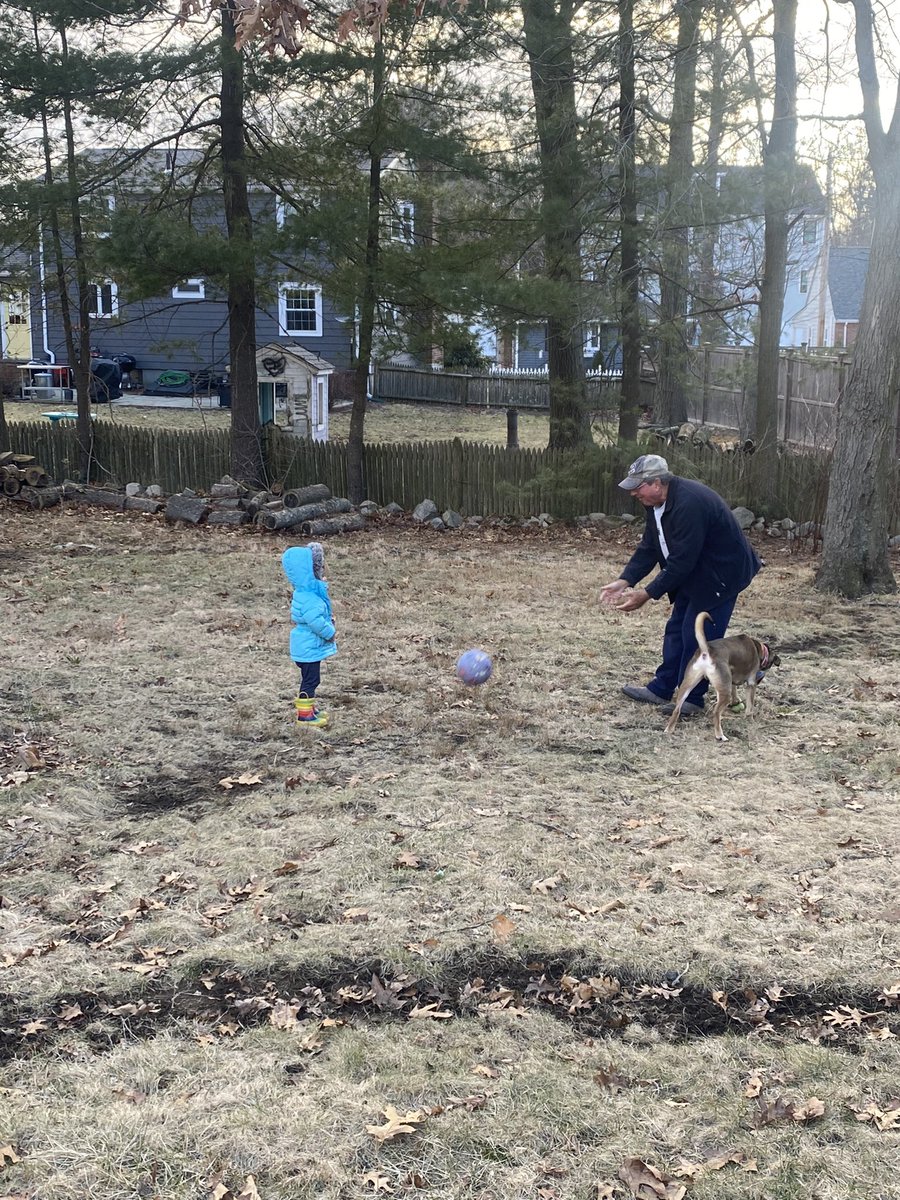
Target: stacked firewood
x,y
312,511
22,476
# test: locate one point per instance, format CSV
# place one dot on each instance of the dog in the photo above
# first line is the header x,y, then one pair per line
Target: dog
x,y
727,663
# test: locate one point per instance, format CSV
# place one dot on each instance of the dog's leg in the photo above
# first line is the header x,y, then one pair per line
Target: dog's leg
x,y
692,677
722,681
751,695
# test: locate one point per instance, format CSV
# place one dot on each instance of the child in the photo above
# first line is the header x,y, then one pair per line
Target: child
x,y
312,637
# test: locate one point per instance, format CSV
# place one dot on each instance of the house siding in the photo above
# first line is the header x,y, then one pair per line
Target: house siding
x,y
164,333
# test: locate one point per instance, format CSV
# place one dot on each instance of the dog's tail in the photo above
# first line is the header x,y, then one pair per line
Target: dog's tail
x,y
701,620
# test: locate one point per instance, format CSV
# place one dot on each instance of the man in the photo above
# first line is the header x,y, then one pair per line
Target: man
x,y
706,561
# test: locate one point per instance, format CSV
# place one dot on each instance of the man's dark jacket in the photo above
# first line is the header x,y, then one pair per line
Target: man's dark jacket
x,y
710,559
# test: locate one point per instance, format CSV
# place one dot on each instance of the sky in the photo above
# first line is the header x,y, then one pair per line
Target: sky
x,y
825,33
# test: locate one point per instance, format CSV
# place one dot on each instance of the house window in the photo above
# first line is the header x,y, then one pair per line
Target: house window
x,y
97,213
189,289
17,309
810,232
591,338
104,299
804,281
402,222
300,309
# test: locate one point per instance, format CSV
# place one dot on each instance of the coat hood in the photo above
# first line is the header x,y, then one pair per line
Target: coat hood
x,y
298,566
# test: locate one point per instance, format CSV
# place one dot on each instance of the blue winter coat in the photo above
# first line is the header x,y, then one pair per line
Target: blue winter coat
x,y
710,558
312,637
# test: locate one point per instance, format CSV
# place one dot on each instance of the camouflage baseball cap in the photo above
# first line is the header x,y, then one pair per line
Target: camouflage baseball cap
x,y
643,469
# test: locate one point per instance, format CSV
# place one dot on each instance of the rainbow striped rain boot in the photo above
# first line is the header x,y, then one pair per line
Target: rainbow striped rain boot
x,y
308,714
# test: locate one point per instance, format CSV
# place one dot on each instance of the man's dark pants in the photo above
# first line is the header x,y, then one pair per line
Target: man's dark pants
x,y
679,645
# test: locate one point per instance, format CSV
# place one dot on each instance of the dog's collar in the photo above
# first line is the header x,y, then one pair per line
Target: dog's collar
x,y
763,656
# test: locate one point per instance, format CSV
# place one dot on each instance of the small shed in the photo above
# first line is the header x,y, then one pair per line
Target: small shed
x,y
293,389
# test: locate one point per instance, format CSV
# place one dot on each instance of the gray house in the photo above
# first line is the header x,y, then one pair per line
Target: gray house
x,y
184,329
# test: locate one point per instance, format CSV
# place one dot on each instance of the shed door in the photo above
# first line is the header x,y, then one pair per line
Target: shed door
x,y
266,402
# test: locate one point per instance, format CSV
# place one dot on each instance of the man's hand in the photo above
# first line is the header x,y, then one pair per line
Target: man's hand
x,y
612,592
634,600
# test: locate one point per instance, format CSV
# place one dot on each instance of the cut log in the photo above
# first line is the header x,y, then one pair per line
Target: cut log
x,y
24,460
186,508
298,497
326,525
220,505
6,456
142,504
256,503
106,499
36,477
296,516
228,516
12,485
227,491
40,497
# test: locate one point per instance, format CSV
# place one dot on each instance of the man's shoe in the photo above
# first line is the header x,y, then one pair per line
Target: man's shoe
x,y
687,709
643,694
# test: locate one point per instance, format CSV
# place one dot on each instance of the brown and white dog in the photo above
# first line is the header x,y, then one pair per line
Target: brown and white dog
x,y
727,663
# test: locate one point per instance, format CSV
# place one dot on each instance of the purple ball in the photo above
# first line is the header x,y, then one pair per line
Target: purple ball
x,y
474,667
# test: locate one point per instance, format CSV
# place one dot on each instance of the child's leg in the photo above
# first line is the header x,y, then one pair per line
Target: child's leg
x,y
310,675
307,712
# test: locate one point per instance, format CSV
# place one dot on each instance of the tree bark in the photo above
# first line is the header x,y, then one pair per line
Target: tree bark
x,y
326,525
246,443
548,43
311,494
712,328
855,557
356,483
296,516
671,394
630,267
779,170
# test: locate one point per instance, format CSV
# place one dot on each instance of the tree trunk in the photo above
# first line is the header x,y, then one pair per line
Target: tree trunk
x,y
854,552
246,443
78,351
629,281
712,328
356,483
548,42
779,168
671,394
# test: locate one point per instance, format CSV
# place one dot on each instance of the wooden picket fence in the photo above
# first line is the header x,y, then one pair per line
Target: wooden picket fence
x,y
467,477
483,389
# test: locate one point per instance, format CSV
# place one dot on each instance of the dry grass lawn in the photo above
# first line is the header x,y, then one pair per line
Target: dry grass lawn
x,y
565,947
384,422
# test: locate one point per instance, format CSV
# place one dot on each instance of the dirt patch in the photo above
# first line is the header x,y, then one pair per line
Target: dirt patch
x,y
601,1000
161,794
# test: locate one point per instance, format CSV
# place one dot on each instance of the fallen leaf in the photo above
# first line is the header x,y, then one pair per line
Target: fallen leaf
x,y
503,928
544,886
245,780
377,1181
395,1125
283,1015
430,1010
812,1110
409,860
7,1154
355,916
886,1118
754,1086
31,757
487,1072
649,1183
